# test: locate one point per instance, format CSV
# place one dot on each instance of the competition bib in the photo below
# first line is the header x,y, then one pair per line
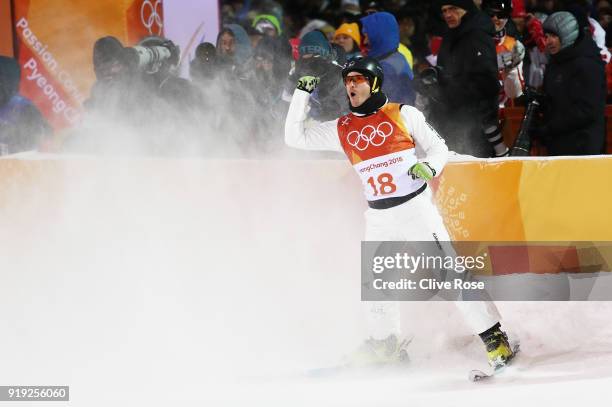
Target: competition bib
x,y
381,151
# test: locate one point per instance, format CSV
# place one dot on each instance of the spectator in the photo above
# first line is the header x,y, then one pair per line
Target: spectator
x,y
348,37
605,19
234,52
22,127
137,103
317,59
318,25
371,7
510,51
203,67
407,28
381,39
581,10
272,61
116,93
575,88
531,34
469,79
350,11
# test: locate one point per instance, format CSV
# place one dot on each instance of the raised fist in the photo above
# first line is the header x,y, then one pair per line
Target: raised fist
x,y
308,83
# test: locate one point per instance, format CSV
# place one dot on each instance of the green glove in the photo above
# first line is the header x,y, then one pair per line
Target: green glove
x,y
422,171
308,83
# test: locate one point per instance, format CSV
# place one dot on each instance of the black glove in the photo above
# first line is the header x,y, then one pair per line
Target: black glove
x,y
430,76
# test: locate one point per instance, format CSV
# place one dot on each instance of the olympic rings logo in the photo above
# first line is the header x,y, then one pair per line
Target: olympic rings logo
x,y
154,16
369,134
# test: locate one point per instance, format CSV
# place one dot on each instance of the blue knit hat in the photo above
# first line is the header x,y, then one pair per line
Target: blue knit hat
x,y
315,43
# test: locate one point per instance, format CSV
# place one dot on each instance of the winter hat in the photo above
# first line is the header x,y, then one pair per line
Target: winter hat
x,y
564,25
352,30
350,7
315,43
263,21
518,9
467,5
317,24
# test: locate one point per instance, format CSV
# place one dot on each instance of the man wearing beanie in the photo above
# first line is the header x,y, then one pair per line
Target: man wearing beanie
x,y
317,59
468,79
575,88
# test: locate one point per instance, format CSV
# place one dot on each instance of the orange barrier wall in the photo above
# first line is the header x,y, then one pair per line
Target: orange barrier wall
x,y
301,209
487,200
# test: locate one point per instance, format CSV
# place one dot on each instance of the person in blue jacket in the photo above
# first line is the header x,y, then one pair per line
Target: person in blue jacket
x,y
381,38
22,126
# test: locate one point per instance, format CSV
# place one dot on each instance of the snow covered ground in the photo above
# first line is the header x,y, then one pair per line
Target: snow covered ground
x,y
150,283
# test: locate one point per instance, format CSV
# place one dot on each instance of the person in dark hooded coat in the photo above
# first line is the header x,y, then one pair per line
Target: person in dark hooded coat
x,y
381,35
22,126
468,79
318,58
575,88
234,52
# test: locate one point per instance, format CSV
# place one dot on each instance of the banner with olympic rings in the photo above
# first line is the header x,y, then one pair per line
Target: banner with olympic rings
x,y
55,42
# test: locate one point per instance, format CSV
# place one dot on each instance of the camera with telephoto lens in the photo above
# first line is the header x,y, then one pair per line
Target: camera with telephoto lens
x,y
153,55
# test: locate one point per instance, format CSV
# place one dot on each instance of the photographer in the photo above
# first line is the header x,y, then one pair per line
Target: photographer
x,y
137,103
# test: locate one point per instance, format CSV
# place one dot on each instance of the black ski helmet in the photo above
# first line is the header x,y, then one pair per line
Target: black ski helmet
x,y
370,68
504,6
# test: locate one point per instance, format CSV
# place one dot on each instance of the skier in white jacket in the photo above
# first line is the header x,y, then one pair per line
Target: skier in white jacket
x,y
395,152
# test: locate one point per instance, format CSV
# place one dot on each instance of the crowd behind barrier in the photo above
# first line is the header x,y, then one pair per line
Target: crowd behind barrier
x,y
470,65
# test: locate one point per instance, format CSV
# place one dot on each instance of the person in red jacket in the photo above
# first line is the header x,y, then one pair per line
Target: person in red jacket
x,y
532,37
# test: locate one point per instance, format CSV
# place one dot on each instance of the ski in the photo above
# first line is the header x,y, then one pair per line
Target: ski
x,y
479,375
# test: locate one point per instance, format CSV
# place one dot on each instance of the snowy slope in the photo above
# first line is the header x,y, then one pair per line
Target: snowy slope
x,y
130,283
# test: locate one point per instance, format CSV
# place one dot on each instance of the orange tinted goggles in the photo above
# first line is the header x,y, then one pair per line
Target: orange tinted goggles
x,y
356,79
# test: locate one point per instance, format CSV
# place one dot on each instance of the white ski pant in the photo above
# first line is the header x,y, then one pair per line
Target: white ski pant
x,y
415,220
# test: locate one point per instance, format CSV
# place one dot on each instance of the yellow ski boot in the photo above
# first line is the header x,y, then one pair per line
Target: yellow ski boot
x,y
375,352
498,347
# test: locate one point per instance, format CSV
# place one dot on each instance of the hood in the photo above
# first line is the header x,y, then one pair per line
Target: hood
x,y
244,50
9,78
383,33
585,47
